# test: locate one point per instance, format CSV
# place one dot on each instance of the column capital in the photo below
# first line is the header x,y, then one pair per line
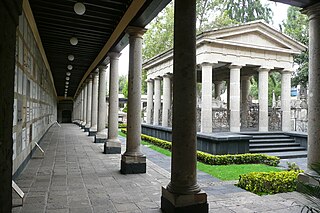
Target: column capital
x,y
114,55
263,69
245,77
102,67
207,64
95,72
149,80
158,78
135,31
167,75
235,66
286,71
312,11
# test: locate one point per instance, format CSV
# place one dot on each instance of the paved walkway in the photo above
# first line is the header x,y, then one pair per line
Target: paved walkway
x,y
75,176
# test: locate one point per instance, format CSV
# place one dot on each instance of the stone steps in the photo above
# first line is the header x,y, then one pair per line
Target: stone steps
x,y
275,144
277,149
262,145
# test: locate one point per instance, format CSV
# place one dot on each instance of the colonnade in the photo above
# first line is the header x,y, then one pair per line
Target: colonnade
x,y
238,88
154,106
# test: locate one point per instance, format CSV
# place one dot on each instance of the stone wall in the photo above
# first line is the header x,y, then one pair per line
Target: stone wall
x,y
9,11
34,98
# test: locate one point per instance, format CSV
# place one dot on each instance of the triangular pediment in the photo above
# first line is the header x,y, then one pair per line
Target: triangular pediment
x,y
255,34
254,38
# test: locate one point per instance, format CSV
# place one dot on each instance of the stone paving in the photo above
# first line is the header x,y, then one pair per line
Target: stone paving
x,y
75,176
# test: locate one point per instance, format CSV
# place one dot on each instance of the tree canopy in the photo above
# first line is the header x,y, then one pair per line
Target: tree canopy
x,y
297,27
210,14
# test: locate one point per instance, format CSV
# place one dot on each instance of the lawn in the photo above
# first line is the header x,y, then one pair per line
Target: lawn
x,y
223,172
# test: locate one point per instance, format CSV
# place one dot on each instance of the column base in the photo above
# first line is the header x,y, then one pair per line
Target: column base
x,y
112,147
307,179
184,203
133,164
93,131
82,125
100,138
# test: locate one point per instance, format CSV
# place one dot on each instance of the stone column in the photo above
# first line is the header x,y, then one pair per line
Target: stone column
x,y
234,98
10,11
149,100
81,107
313,13
263,99
245,89
157,100
89,104
286,100
183,193
206,105
133,161
94,110
101,135
228,96
85,100
166,99
113,144
217,89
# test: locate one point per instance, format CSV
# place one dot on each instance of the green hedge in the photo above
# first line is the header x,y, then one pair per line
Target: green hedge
x,y
269,182
218,159
122,125
237,159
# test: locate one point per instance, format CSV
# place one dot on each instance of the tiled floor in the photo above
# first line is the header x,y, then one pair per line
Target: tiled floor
x,y
75,176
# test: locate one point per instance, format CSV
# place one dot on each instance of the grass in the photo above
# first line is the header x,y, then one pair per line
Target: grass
x,y
222,172
232,172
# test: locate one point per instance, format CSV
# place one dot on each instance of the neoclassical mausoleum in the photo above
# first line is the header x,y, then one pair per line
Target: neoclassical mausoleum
x,y
230,56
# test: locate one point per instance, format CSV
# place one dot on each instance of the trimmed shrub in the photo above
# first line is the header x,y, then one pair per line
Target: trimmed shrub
x,y
122,125
269,182
237,159
218,159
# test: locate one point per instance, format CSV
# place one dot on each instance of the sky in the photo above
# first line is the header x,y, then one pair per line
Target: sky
x,y
279,14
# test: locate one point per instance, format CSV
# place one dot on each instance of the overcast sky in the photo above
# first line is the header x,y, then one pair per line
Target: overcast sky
x,y
279,14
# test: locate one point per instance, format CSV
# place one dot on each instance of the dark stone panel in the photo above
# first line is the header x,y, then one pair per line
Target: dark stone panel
x,y
92,133
168,207
111,150
133,168
214,143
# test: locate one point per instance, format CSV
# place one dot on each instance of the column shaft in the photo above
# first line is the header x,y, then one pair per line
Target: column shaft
x,y
157,101
263,99
234,98
206,105
245,89
113,145
183,186
94,110
286,100
102,106
217,89
89,104
166,100
314,86
85,100
133,161
81,106
149,100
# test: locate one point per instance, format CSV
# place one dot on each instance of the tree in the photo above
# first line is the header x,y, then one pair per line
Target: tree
x,y
159,36
247,10
122,82
297,27
210,14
